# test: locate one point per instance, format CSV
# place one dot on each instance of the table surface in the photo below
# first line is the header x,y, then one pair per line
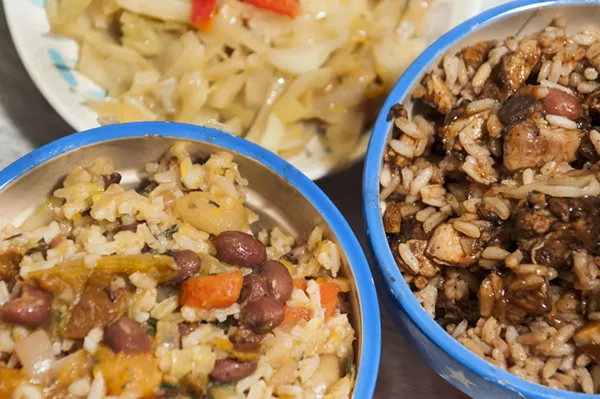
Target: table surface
x,y
27,121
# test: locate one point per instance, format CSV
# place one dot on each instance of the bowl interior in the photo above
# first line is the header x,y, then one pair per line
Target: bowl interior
x,y
518,18
276,199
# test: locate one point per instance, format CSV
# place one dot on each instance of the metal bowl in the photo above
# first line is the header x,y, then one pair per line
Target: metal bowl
x,y
278,192
456,364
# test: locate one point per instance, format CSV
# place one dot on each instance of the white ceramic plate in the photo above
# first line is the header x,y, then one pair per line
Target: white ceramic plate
x,y
50,62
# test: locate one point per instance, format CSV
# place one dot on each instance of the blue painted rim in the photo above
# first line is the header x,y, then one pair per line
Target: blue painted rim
x,y
371,323
401,293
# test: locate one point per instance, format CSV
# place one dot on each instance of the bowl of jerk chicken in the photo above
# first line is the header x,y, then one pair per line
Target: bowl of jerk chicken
x,y
156,260
482,196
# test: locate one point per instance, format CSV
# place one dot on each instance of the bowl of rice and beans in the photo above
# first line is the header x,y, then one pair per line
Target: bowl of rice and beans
x,y
482,196
159,260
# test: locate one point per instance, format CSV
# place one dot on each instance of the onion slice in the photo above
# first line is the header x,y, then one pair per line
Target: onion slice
x,y
35,354
564,186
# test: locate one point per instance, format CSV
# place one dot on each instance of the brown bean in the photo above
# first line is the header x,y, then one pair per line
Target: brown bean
x,y
253,288
279,280
113,178
241,249
188,263
245,340
127,336
263,315
231,370
557,102
31,309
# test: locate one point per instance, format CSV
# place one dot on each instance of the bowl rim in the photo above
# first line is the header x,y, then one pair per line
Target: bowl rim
x,y
401,294
371,323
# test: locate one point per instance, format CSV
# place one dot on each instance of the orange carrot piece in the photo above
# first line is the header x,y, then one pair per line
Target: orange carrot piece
x,y
216,291
300,283
292,316
329,297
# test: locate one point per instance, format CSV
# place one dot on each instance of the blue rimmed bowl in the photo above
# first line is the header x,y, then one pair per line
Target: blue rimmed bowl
x,y
278,192
456,364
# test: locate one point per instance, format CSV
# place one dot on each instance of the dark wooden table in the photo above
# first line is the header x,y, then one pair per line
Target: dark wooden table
x,y
27,121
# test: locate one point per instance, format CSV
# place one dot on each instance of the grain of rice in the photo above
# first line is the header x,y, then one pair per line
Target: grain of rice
x,y
407,177
575,79
469,229
528,176
480,105
595,316
392,186
409,128
460,328
26,391
494,126
585,379
402,148
544,71
512,43
590,73
92,340
551,367
595,139
98,388
552,85
385,178
80,387
583,38
499,206
496,54
437,218
408,257
495,253
583,360
566,70
463,77
450,62
588,87
482,74
525,269
567,363
471,204
561,121
555,71
423,214
420,180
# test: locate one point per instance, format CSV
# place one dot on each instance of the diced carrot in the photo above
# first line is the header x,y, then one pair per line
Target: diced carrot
x,y
300,283
290,8
216,291
202,13
329,297
292,316
10,379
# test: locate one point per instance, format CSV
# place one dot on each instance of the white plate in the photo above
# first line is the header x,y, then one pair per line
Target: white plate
x,y
50,62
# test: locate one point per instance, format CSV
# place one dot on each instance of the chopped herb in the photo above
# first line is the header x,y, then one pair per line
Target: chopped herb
x,y
41,246
171,230
213,203
350,368
151,332
169,387
148,189
152,321
15,236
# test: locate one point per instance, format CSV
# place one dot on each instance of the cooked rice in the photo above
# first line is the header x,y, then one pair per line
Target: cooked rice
x,y
483,224
88,223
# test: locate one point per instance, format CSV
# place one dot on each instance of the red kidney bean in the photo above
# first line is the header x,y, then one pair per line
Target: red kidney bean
x,y
245,340
263,315
31,309
557,102
279,280
253,288
113,178
241,249
126,335
231,370
188,263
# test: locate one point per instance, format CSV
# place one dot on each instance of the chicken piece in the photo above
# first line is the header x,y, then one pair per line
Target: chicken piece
x,y
392,218
475,55
512,71
445,247
438,94
532,143
588,339
515,67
